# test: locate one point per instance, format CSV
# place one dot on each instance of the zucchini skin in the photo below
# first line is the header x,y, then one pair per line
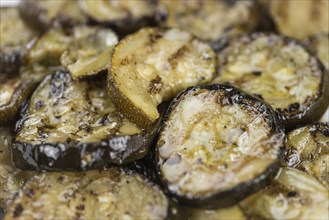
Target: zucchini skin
x,y
290,118
231,196
75,155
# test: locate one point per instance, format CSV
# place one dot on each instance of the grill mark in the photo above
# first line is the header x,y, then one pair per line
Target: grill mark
x,y
179,53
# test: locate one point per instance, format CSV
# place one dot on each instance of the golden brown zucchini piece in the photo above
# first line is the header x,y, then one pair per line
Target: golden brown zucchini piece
x,y
308,150
211,20
300,19
111,194
45,14
218,145
122,16
90,51
49,47
320,44
15,91
15,40
279,70
292,195
73,125
151,66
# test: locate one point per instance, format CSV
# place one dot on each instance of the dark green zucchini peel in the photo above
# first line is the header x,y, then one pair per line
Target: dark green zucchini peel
x,y
122,16
279,70
218,145
73,125
45,14
15,40
90,51
320,45
115,193
308,150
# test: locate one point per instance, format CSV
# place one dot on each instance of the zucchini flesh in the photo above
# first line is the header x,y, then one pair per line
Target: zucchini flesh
x,y
44,14
211,20
320,44
292,195
15,39
151,66
73,125
124,16
89,52
300,19
229,145
308,150
233,213
279,70
110,194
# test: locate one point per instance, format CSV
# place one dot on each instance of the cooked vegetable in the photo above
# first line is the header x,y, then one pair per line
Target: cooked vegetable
x,y
44,14
124,16
15,91
10,178
15,40
111,194
292,195
217,145
280,71
300,19
49,47
233,213
211,20
72,125
89,52
320,44
151,66
308,150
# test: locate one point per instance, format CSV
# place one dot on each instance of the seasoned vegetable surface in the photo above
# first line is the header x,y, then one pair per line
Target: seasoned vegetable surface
x,y
308,150
292,195
89,52
152,66
217,145
280,71
211,20
15,39
73,125
111,194
233,213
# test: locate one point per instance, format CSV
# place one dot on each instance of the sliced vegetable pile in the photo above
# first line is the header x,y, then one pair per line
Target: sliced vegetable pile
x,y
164,110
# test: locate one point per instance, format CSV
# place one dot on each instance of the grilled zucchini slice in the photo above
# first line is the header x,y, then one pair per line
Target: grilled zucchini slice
x,y
300,19
111,194
45,14
292,195
49,47
211,20
15,40
89,52
233,213
217,145
279,70
151,66
122,16
73,125
308,150
320,44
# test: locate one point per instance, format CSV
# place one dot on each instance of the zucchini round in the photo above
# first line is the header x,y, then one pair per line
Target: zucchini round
x,y
90,51
211,20
73,125
111,194
292,195
233,213
122,16
218,145
300,19
15,40
279,70
151,66
44,14
308,150
320,44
